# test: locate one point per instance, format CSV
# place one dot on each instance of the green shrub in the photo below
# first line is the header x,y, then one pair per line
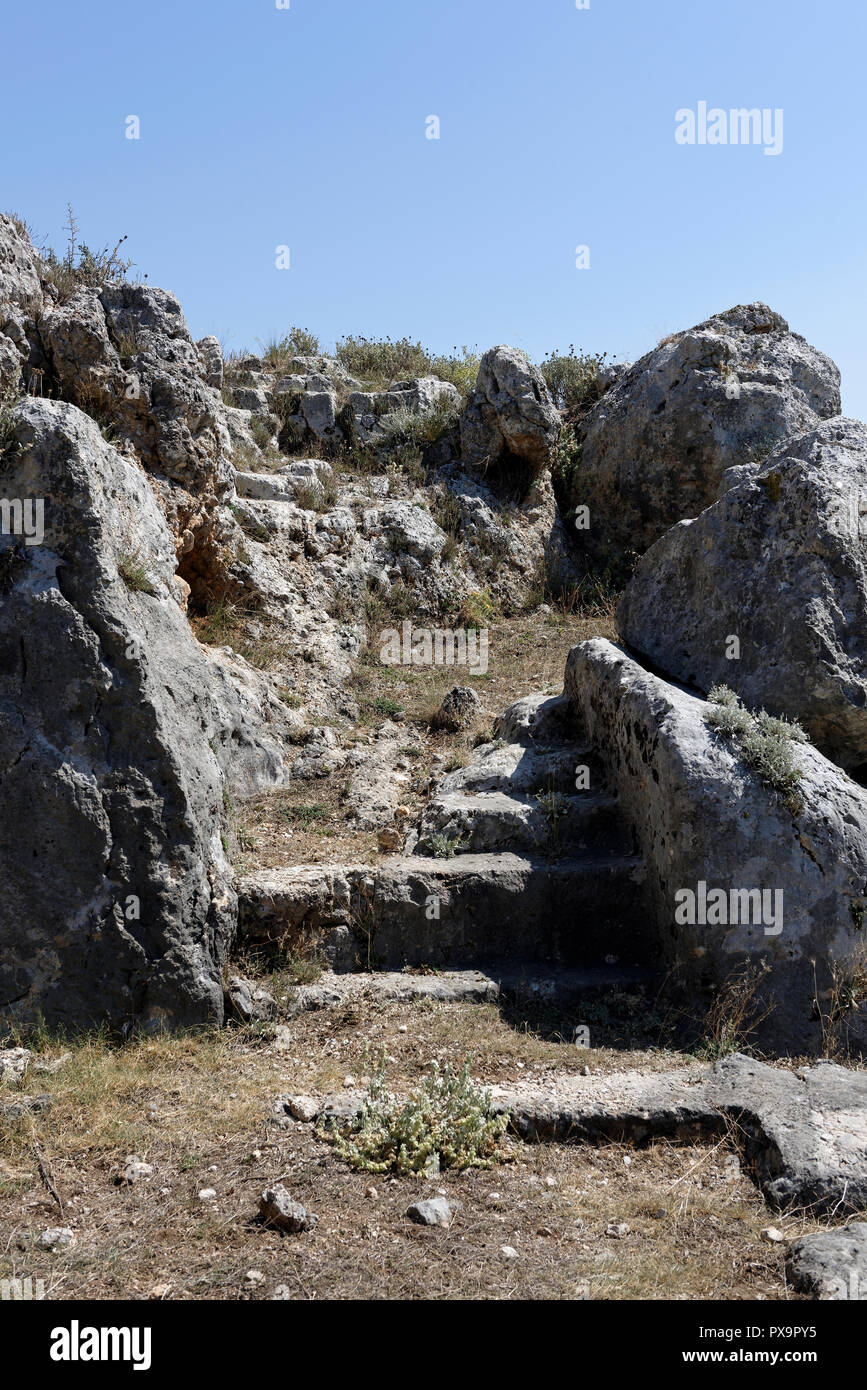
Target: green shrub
x,y
763,742
377,362
572,378
447,1122
444,846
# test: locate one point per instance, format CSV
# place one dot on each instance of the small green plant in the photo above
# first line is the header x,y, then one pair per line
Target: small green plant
x,y
448,1122
554,807
305,815
762,741
134,574
317,497
79,266
297,342
573,378
385,706
444,846
477,610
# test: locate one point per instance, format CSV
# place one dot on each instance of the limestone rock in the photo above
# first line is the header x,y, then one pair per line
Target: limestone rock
x,y
509,413
830,1265
435,1211
778,563
121,908
654,448
697,815
459,709
278,1210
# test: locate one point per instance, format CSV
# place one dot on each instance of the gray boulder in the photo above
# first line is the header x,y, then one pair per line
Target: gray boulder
x,y
510,413
118,904
460,707
830,1265
698,816
278,1210
779,563
654,448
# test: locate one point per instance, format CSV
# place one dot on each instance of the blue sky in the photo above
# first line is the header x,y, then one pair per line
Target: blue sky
x,y
305,127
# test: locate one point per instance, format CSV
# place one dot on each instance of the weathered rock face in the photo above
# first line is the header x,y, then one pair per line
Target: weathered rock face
x,y
655,446
510,413
699,817
20,302
117,898
780,564
831,1265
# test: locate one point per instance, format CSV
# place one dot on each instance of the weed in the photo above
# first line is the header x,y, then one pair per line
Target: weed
x,y
134,574
446,1123
763,742
735,1013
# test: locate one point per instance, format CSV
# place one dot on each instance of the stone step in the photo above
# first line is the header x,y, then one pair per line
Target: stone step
x,y
549,823
523,770
481,909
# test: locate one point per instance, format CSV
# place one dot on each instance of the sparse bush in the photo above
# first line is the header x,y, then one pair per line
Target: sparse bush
x,y
297,342
762,741
444,846
734,1013
447,1121
573,379
477,610
79,266
377,362
134,574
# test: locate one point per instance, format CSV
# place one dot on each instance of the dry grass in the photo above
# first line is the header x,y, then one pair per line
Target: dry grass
x,y
196,1109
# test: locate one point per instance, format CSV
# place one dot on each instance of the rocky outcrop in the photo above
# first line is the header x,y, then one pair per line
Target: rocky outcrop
x,y
654,448
830,1265
766,591
509,415
118,904
790,885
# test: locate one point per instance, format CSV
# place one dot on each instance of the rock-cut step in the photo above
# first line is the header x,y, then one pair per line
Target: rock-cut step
x,y
471,911
552,823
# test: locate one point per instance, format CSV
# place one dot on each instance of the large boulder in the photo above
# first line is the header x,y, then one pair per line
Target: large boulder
x,y
766,591
509,415
653,449
117,896
699,816
20,302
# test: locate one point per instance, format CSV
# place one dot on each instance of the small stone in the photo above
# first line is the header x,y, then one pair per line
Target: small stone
x,y
402,1028
371,1192
348,1081
617,1229
255,1277
160,1291
56,1238
436,1211
281,1294
207,1194
508,1252
278,1210
772,1235
136,1171
303,1108
458,710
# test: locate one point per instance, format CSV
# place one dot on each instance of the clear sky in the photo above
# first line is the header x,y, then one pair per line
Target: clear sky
x,y
306,127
